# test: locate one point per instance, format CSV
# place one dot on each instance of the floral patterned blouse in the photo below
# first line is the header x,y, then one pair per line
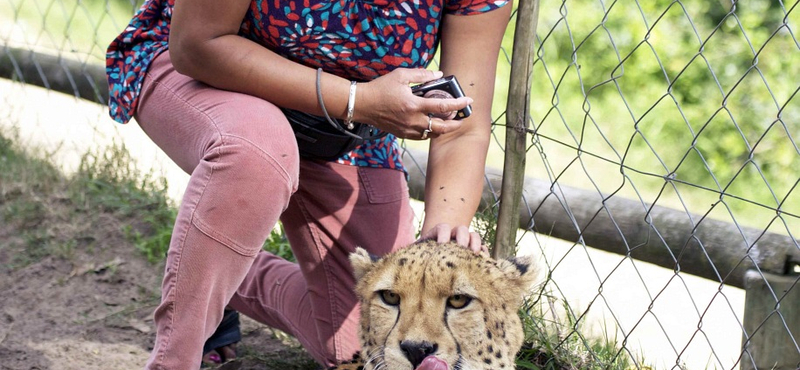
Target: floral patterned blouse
x,y
355,39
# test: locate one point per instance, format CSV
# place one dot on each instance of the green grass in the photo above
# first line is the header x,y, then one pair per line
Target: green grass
x,y
34,194
24,182
278,245
83,27
110,182
558,342
33,191
290,359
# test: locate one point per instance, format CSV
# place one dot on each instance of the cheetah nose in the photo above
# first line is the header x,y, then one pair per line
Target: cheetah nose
x,y
417,351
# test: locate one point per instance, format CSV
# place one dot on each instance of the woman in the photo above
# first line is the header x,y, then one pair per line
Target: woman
x,y
206,80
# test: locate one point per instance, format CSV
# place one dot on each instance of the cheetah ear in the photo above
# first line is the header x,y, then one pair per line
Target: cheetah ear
x,y
362,262
520,271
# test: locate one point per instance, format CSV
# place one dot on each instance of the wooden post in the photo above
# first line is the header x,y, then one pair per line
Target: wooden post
x,y
517,117
773,328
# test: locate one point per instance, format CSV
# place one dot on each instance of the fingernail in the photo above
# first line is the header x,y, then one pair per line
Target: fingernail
x,y
438,74
469,100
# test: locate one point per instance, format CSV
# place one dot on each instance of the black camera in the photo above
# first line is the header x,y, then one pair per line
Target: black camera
x,y
443,88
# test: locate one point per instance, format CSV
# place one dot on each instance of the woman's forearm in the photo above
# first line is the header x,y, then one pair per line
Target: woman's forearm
x,y
235,63
454,183
204,44
456,163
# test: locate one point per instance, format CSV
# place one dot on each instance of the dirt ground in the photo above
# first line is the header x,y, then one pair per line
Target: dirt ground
x,y
90,305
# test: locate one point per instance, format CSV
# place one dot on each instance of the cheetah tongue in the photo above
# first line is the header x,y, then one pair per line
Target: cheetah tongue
x,y
432,363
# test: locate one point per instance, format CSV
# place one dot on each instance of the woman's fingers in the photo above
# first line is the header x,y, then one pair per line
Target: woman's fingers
x,y
476,243
443,233
468,239
443,107
417,76
461,236
433,127
387,103
440,233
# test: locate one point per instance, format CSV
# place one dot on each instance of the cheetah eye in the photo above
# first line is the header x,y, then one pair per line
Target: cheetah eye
x,y
458,301
389,297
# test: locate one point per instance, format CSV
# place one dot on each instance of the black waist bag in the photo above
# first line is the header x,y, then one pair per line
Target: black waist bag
x,y
317,138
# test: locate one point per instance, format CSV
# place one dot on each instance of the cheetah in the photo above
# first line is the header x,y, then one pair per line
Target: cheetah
x,y
437,306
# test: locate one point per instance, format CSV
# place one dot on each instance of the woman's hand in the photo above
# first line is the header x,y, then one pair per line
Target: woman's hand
x,y
443,233
388,104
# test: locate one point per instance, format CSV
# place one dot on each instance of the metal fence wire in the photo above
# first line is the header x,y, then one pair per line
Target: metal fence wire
x,y
661,191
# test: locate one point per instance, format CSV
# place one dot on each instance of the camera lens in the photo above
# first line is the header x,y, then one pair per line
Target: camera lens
x,y
441,94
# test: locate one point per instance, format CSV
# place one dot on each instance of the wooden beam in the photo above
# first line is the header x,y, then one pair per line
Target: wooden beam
x,y
669,238
686,243
54,72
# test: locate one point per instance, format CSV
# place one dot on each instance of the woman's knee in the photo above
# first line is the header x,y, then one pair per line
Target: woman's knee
x,y
261,130
189,120
244,183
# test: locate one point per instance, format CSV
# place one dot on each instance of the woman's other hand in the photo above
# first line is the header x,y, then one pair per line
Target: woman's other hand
x,y
388,104
443,233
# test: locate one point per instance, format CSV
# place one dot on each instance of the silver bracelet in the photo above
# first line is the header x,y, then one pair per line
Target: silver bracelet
x,y
351,102
325,111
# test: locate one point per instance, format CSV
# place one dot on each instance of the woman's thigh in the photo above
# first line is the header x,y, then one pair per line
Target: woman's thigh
x,y
189,119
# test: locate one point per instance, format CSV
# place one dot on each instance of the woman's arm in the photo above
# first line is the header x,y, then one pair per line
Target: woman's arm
x,y
205,46
454,182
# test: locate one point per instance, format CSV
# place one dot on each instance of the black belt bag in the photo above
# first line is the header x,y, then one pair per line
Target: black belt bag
x,y
318,138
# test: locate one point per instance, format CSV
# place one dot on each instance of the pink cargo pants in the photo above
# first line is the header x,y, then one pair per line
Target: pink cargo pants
x,y
246,174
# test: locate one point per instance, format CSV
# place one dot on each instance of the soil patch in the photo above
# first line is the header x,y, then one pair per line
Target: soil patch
x,y
76,294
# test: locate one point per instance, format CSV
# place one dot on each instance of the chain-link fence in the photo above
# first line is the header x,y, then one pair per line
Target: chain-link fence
x,y
661,191
666,133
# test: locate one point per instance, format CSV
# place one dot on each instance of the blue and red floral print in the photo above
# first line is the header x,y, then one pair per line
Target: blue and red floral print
x,y
355,39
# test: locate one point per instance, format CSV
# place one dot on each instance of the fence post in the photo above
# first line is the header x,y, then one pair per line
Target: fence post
x,y
517,117
771,326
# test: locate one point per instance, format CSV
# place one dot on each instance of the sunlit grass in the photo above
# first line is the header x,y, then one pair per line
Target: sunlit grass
x,y
33,191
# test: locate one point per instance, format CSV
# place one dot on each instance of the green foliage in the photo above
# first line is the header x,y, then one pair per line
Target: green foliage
x,y
110,182
155,244
26,183
485,224
560,344
33,192
86,26
278,245
689,92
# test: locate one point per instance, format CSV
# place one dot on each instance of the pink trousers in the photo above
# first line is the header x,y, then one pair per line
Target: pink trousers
x,y
246,174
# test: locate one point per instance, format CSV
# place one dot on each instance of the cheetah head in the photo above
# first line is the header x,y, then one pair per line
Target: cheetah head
x,y
439,306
